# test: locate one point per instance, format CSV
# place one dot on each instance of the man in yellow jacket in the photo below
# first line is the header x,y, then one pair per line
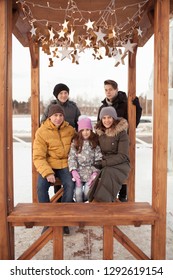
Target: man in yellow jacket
x,y
50,154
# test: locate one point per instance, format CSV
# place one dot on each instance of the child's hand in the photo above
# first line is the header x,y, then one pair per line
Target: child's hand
x,y
93,176
76,178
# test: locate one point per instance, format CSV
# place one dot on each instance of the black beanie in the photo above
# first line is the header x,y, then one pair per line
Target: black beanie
x,y
58,88
55,108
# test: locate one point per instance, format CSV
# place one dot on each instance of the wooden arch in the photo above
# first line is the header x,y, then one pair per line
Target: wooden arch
x,y
159,13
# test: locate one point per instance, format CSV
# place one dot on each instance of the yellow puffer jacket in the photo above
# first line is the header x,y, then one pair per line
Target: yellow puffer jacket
x,y
51,147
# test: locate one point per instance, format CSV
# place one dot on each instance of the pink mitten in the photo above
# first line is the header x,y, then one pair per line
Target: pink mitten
x,y
93,176
76,178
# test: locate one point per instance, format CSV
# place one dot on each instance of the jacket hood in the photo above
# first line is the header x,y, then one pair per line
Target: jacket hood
x,y
113,131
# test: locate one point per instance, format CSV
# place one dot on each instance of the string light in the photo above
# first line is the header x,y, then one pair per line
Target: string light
x,y
105,32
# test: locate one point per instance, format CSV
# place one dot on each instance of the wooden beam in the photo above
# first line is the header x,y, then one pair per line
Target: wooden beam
x,y
58,243
160,126
108,242
37,245
15,15
10,194
129,245
5,150
33,51
44,238
35,112
132,122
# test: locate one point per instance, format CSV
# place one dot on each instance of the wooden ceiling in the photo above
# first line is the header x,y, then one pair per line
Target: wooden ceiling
x,y
104,23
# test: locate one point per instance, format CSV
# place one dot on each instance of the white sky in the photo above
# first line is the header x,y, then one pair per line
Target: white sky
x,y
85,79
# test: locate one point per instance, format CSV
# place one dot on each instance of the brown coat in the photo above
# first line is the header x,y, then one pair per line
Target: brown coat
x,y
114,144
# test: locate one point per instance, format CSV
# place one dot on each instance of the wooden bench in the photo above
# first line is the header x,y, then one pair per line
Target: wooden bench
x,y
57,215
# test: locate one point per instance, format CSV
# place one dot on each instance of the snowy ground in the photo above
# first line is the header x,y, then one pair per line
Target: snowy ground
x,y
23,187
23,163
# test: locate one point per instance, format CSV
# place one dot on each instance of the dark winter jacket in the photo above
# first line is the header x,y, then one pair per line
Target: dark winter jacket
x,y
120,105
114,144
71,111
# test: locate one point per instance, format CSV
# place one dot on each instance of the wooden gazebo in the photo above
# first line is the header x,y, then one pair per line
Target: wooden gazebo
x,y
71,25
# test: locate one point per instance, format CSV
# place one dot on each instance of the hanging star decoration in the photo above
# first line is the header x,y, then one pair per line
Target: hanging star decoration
x,y
100,36
55,52
89,24
118,57
61,34
80,48
65,53
71,36
51,34
74,30
75,57
65,25
50,62
98,54
33,30
139,31
88,42
129,46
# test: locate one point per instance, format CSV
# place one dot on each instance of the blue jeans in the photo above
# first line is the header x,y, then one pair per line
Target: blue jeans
x,y
68,186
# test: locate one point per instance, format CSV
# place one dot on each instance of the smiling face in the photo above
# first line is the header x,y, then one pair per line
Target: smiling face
x,y
63,96
57,119
107,121
86,133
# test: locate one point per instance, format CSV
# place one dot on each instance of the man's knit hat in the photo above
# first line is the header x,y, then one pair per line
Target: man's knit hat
x,y
53,109
58,88
109,111
84,123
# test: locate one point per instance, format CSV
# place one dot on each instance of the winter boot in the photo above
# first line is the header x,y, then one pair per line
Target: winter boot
x,y
123,193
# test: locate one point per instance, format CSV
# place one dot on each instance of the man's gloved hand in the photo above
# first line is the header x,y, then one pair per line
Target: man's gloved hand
x,y
76,178
93,176
135,102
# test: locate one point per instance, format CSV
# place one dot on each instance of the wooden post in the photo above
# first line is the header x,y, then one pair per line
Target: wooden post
x,y
10,195
160,126
6,127
58,243
132,122
35,107
108,242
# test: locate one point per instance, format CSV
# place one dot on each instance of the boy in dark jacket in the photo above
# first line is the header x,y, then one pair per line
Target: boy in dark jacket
x,y
118,100
71,111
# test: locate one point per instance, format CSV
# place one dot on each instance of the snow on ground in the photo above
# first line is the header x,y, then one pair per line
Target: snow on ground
x,y
84,243
23,164
22,158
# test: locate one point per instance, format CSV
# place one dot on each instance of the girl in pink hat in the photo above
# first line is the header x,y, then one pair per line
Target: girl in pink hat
x,y
84,152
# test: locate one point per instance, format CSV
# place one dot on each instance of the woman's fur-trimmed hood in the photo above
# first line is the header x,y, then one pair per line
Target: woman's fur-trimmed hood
x,y
113,131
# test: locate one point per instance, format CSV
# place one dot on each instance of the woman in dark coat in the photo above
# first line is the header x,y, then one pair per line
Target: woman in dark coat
x,y
115,164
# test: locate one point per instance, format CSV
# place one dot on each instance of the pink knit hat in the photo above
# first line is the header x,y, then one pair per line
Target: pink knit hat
x,y
84,123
